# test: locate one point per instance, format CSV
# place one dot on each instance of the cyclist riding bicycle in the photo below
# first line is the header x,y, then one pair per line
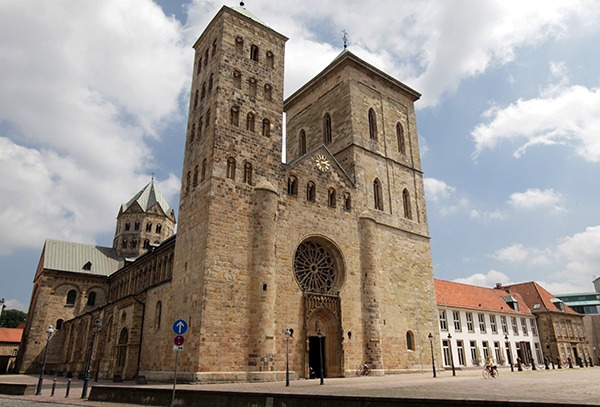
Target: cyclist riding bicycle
x,y
490,366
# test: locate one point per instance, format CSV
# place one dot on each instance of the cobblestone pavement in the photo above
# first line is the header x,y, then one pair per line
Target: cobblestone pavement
x,y
577,386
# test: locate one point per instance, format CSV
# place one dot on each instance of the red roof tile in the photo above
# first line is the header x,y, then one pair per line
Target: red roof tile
x,y
457,295
533,294
10,335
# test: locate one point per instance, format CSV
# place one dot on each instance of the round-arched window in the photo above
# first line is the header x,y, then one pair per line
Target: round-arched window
x,y
315,269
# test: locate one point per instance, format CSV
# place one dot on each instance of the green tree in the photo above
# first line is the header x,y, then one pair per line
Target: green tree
x,y
12,318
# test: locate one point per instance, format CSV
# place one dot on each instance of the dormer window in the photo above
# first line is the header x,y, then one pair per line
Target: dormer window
x,y
87,266
512,302
558,304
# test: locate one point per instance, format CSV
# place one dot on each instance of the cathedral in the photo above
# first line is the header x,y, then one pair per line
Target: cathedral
x,y
331,245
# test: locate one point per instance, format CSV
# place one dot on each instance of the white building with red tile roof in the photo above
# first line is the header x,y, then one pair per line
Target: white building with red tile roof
x,y
478,322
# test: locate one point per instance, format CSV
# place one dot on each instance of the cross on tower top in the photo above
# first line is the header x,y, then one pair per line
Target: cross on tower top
x,y
345,38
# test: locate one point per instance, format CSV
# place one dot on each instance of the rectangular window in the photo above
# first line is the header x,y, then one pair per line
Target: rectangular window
x,y
493,325
524,326
515,327
470,322
538,352
456,316
486,349
497,352
533,327
481,318
461,352
443,324
557,328
570,328
504,326
474,358
564,330
446,349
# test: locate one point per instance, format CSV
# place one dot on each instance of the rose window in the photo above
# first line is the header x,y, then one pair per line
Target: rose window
x,y
314,268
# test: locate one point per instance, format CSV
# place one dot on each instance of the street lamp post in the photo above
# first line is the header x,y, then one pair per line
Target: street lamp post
x,y
512,369
451,355
430,336
288,334
320,335
88,365
550,350
49,332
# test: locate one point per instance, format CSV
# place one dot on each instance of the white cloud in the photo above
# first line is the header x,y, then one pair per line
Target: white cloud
x,y
485,280
569,266
445,197
15,304
514,253
79,102
437,190
485,216
561,115
518,253
430,45
581,253
535,198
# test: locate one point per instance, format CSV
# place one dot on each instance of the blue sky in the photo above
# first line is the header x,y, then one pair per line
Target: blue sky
x,y
93,99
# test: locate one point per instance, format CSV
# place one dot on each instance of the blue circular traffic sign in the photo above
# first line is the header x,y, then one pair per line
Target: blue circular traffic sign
x,y
180,327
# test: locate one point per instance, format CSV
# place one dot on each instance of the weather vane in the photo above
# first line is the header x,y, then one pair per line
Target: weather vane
x,y
345,38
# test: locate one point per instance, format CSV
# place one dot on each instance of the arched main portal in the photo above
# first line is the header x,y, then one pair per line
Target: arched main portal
x,y
319,271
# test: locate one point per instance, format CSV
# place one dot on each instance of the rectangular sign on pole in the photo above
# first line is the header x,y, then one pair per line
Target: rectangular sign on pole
x,y
177,348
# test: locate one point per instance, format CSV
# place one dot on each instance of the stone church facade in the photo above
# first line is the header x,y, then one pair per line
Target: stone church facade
x,y
333,243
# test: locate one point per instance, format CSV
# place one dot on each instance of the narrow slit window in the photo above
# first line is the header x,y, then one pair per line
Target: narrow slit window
x,y
302,147
372,125
254,52
266,128
231,168
311,192
327,138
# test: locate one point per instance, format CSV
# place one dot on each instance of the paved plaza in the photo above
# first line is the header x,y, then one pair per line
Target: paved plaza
x,y
575,386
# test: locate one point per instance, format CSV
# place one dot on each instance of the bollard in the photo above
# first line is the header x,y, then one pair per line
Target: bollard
x,y
570,362
53,387
590,360
519,365
546,363
558,362
68,388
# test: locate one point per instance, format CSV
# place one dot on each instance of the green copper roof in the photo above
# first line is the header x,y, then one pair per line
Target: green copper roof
x,y
147,198
248,14
80,258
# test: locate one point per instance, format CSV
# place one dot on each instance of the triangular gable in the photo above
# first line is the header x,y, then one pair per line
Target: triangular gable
x,y
309,158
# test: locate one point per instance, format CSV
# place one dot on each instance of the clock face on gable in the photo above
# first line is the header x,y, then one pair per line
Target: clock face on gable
x,y
322,163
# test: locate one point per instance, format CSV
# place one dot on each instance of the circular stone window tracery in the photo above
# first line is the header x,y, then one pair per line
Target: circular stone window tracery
x,y
315,268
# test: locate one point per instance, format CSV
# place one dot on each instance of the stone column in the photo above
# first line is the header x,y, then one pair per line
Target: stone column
x,y
370,292
263,280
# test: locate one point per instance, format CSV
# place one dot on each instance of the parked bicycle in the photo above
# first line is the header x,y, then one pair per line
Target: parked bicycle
x,y
363,370
490,371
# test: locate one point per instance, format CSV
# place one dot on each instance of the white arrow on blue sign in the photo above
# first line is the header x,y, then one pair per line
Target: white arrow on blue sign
x,y
180,327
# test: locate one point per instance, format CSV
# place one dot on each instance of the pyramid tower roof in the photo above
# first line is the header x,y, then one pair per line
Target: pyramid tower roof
x,y
147,198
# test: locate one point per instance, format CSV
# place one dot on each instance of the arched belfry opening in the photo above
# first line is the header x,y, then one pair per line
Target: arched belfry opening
x,y
319,271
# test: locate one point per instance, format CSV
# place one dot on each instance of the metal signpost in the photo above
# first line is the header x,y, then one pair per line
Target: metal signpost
x,y
180,327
